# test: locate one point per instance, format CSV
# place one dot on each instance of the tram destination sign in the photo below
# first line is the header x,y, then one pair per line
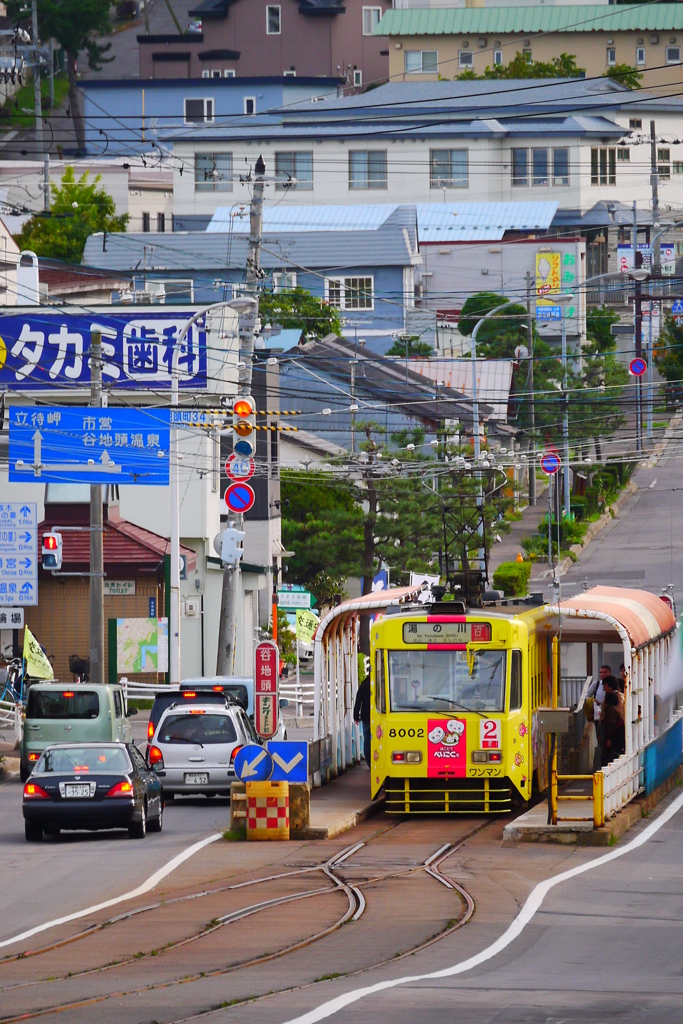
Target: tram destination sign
x,y
446,632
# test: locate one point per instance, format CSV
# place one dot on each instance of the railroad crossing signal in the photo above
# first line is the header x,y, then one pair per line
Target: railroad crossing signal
x,y
244,426
52,551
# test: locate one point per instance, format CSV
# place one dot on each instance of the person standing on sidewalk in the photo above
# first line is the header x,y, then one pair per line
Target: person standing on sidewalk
x,y
361,714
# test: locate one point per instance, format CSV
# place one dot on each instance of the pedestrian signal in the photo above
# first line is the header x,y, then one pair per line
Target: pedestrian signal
x,y
52,551
244,426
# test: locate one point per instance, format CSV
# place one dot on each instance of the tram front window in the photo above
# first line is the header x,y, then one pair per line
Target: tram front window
x,y
439,680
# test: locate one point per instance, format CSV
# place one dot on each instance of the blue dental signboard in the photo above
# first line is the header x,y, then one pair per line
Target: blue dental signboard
x,y
18,553
81,445
51,350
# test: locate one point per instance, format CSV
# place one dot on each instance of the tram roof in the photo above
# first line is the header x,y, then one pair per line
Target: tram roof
x,y
594,615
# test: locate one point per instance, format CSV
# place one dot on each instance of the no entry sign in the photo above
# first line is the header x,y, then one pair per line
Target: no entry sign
x,y
239,497
267,689
551,463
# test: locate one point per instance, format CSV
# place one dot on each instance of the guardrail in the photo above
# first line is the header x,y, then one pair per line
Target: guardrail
x,y
12,714
622,782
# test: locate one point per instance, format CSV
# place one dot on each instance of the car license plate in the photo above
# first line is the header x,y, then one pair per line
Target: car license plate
x,y
77,792
196,778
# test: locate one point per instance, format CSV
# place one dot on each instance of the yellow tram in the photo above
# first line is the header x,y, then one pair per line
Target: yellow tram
x,y
453,695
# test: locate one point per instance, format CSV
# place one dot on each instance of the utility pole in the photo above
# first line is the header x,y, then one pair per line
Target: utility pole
x,y
532,408
227,632
96,581
637,329
37,99
654,181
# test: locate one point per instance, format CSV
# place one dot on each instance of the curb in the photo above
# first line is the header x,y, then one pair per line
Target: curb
x,y
344,824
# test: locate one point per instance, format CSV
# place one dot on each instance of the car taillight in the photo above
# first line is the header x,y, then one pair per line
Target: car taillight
x,y
218,689
235,752
150,730
68,693
189,693
155,755
121,789
33,757
196,711
32,791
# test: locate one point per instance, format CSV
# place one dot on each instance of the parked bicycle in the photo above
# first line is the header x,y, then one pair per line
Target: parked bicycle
x,y
79,668
13,684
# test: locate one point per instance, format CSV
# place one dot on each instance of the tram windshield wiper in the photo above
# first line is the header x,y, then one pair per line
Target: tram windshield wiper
x,y
455,703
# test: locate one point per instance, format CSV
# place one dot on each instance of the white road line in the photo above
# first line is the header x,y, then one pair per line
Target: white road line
x,y
151,882
533,903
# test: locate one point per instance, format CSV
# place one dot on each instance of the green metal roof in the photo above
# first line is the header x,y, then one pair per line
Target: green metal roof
x,y
446,21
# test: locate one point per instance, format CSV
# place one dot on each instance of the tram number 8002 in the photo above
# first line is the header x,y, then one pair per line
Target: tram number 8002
x,y
410,733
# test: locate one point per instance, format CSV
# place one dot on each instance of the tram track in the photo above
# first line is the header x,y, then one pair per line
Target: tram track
x,y
356,905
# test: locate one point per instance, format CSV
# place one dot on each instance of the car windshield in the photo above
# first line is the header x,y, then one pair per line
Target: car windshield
x,y
439,680
66,760
197,728
62,704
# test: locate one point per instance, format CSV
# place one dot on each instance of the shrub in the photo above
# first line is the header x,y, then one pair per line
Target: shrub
x,y
512,578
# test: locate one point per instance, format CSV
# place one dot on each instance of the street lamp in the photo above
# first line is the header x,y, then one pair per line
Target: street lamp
x,y
242,306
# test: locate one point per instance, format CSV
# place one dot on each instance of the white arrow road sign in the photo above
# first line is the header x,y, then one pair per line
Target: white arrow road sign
x,y
250,766
287,765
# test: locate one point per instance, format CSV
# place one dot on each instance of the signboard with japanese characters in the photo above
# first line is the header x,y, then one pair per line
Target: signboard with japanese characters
x,y
11,618
51,349
266,689
69,444
18,554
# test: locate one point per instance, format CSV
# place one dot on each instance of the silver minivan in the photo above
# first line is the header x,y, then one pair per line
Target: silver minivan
x,y
72,713
198,744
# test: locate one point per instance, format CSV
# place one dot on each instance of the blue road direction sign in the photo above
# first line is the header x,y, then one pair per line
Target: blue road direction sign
x,y
551,463
72,445
253,764
548,312
290,761
18,553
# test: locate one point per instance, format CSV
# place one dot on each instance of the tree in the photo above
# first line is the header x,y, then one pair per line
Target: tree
x,y
626,75
78,209
505,330
599,320
564,66
75,24
669,352
410,347
298,309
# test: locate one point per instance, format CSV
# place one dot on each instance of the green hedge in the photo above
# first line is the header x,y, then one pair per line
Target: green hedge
x,y
512,578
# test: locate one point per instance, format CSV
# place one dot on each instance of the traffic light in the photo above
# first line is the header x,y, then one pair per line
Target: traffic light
x,y
231,546
52,551
244,426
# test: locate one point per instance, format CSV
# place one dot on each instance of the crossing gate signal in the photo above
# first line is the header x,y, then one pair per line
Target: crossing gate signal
x,y
52,551
244,426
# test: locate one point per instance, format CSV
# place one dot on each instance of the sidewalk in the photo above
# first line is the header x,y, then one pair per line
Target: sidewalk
x,y
342,804
511,543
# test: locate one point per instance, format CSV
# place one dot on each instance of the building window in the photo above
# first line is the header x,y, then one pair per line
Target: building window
x,y
250,105
611,56
367,168
664,164
677,167
371,16
350,292
623,155
213,172
216,73
206,74
635,122
528,56
283,282
673,55
161,223
497,58
229,73
295,171
199,111
539,159
290,74
146,222
640,54
465,59
561,166
273,20
421,62
448,168
603,166
520,167
357,76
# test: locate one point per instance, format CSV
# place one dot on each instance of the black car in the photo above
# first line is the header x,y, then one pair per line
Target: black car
x,y
92,786
203,693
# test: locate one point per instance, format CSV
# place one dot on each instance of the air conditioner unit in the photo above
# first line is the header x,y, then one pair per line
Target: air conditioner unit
x,y
191,607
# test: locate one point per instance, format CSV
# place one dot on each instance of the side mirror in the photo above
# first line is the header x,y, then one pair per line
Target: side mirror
x,y
158,766
131,712
284,703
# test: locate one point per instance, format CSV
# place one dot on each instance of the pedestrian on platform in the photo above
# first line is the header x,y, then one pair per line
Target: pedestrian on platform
x,y
611,684
613,731
361,714
597,691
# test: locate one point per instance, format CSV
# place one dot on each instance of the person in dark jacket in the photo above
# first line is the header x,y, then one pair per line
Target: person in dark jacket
x,y
613,731
361,714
